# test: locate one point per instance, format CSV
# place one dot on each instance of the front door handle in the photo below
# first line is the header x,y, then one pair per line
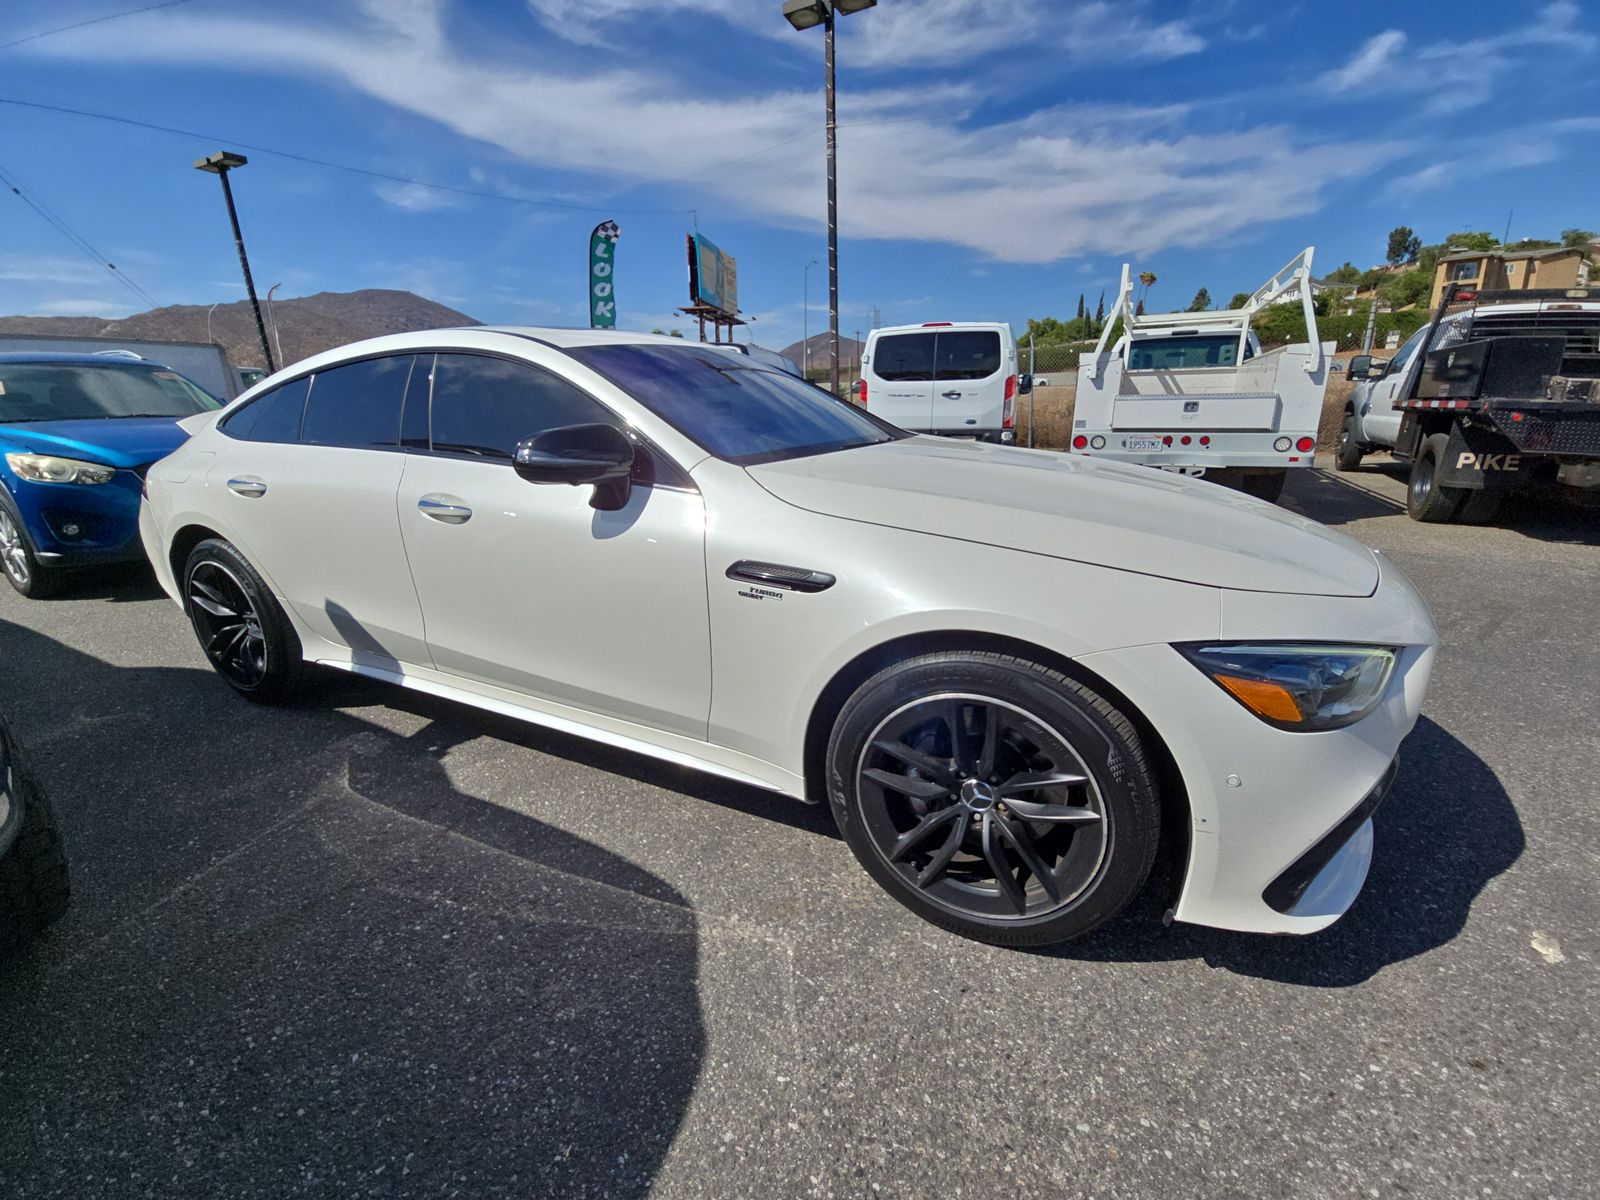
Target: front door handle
x,y
448,509
248,486
951,395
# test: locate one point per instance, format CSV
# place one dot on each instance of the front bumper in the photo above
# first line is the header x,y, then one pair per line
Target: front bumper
x,y
1265,802
74,525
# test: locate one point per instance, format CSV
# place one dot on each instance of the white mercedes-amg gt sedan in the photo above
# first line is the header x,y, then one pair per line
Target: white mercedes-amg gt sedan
x,y
1010,673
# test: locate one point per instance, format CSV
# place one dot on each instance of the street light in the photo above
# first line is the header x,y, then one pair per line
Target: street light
x,y
804,14
805,323
219,164
272,319
209,311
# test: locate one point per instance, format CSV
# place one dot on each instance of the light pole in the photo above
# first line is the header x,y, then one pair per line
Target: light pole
x,y
803,14
219,164
209,311
805,324
272,318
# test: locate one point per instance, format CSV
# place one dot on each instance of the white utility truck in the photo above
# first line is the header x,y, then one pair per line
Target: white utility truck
x,y
1192,391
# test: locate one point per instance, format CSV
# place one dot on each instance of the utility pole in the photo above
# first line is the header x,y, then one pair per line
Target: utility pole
x,y
219,164
1372,327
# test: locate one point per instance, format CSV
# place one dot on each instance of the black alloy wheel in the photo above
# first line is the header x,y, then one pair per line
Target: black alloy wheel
x,y
227,624
993,796
239,623
982,807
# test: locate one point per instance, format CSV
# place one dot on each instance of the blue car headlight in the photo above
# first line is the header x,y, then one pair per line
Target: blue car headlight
x,y
1302,687
47,468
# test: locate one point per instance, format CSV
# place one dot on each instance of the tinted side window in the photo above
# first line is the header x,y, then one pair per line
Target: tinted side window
x,y
485,406
274,417
904,356
967,355
357,404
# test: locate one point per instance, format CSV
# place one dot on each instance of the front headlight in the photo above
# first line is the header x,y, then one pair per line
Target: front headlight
x,y
1307,688
47,468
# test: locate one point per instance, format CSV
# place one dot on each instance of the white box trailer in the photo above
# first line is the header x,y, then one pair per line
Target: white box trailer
x,y
1192,391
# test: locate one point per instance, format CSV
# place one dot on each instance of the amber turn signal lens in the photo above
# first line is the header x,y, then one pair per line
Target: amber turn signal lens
x,y
1262,697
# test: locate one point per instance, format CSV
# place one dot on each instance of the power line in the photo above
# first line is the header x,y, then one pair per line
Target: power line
x,y
38,206
336,166
132,12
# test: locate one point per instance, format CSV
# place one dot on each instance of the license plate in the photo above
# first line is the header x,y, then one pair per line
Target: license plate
x,y
1134,443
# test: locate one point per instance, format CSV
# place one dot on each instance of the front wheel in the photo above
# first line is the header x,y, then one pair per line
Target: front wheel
x,y
22,568
994,797
1349,454
241,627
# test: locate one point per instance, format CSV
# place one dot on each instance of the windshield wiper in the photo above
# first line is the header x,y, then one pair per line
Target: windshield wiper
x,y
137,416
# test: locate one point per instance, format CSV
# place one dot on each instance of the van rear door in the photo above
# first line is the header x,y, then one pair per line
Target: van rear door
x,y
898,372
969,377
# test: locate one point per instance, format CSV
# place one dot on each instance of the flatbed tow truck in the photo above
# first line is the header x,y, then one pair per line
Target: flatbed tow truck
x,y
1505,397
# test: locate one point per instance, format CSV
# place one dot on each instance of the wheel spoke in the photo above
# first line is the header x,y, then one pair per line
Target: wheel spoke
x,y
946,852
907,785
1031,780
913,837
209,599
932,768
954,718
1021,841
995,857
1060,814
991,741
223,637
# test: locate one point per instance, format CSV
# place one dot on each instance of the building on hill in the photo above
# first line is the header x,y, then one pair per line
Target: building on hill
x,y
1515,270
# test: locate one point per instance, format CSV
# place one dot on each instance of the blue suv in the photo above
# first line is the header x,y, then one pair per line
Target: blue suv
x,y
77,433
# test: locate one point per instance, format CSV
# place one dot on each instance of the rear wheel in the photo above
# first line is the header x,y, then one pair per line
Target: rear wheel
x,y
994,797
1426,499
239,623
1349,454
23,570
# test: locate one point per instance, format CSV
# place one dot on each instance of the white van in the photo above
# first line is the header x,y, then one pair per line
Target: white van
x,y
957,378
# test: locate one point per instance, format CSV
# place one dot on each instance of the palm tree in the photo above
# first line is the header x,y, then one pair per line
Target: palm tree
x,y
1148,279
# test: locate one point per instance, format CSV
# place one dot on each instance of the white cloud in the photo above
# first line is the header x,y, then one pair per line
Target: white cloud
x,y
84,308
36,268
607,22
914,162
414,197
1377,55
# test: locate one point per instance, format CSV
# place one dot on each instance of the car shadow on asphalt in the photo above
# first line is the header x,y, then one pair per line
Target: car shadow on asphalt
x,y
302,961
1339,498
1446,830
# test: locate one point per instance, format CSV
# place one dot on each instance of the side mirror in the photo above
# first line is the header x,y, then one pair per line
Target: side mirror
x,y
1361,366
579,454
1024,384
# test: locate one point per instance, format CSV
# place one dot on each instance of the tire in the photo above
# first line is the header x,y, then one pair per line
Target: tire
x,y
241,627
1349,454
19,562
34,888
1425,499
908,755
1264,485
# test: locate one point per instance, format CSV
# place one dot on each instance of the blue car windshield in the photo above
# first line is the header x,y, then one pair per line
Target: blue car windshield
x,y
89,391
739,410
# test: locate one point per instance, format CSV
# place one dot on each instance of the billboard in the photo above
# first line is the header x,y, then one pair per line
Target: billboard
x,y
713,276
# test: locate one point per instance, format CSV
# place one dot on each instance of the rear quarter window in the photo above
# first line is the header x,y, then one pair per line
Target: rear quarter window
x,y
967,355
274,417
903,357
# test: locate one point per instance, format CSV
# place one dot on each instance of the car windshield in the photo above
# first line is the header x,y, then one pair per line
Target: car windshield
x,y
89,391
1174,353
732,407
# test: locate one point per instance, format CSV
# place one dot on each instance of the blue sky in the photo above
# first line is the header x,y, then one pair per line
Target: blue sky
x,y
997,158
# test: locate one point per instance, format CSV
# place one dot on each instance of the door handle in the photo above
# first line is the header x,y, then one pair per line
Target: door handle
x,y
248,486
448,509
951,395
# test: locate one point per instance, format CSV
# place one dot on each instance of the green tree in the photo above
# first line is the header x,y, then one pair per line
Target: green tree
x,y
1147,280
1240,299
1577,239
1404,245
1139,308
677,333
1349,273
1533,244
1480,239
1428,259
1405,289
1201,301
1100,311
1082,313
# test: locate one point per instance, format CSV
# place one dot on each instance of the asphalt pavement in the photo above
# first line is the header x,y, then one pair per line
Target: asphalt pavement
x,y
376,945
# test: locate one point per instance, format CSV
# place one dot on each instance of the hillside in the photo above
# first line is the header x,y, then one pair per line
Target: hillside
x,y
307,325
849,350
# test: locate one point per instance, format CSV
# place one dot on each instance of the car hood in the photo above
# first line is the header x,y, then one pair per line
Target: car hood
x,y
114,441
1074,507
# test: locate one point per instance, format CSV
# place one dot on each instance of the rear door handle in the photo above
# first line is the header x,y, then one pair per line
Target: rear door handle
x,y
448,509
248,486
951,395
